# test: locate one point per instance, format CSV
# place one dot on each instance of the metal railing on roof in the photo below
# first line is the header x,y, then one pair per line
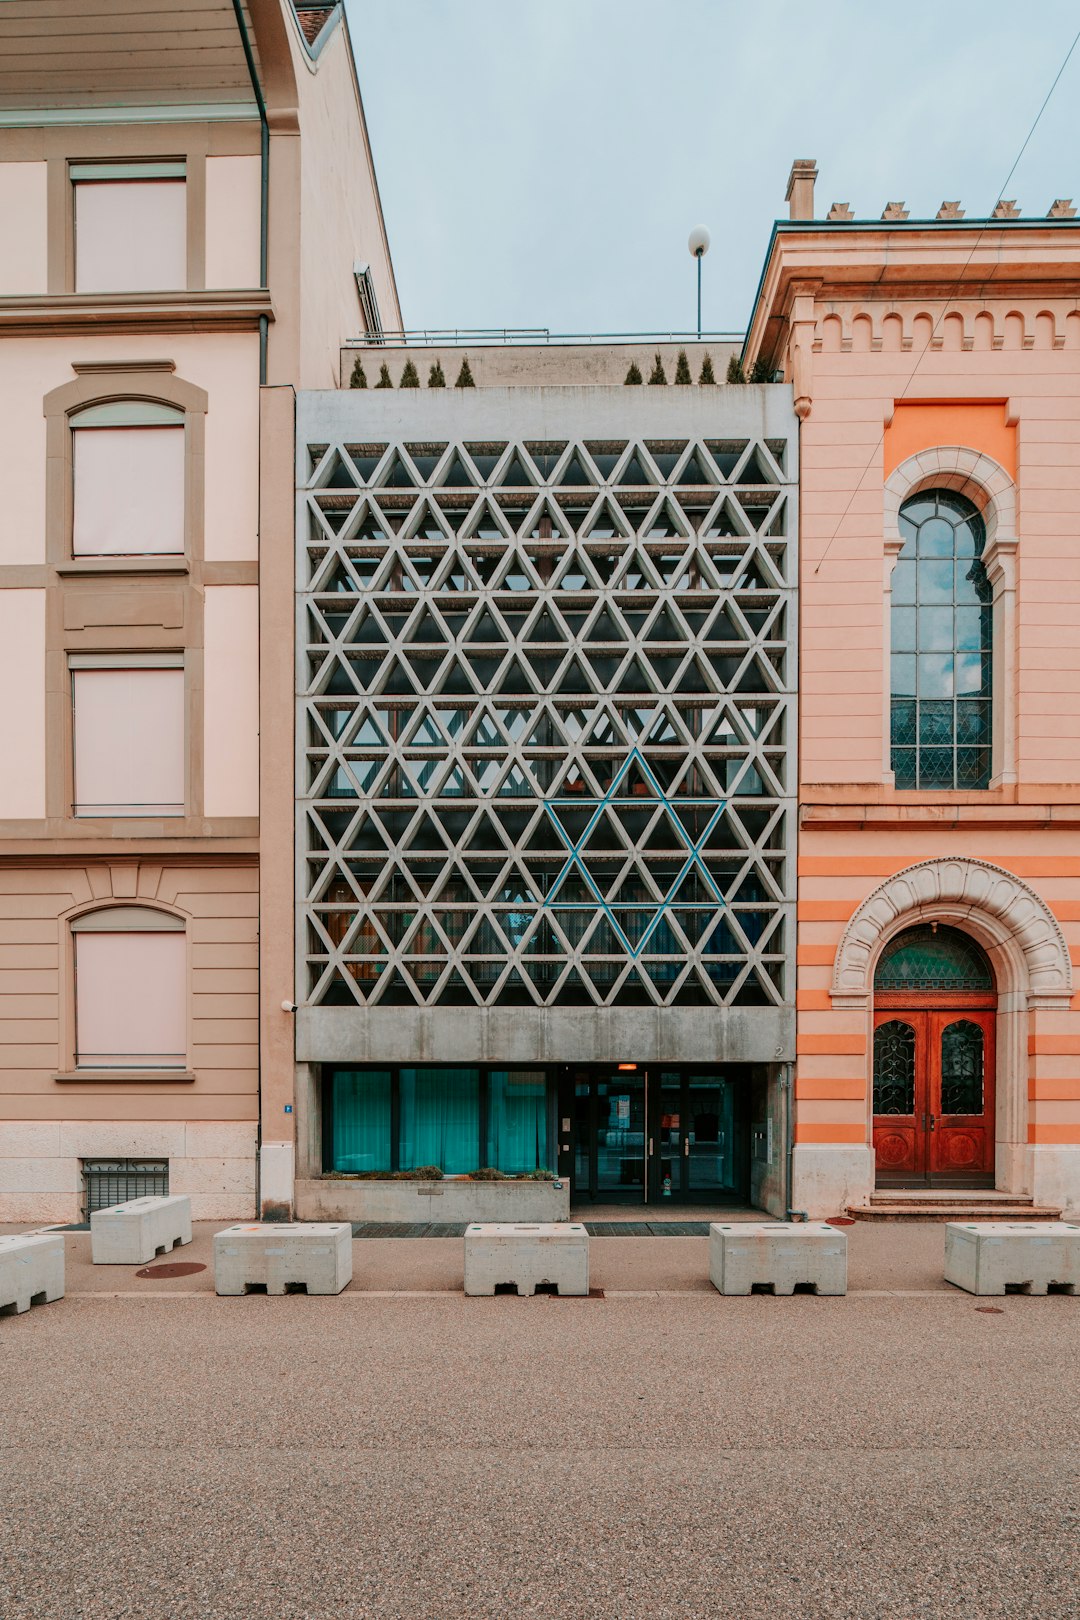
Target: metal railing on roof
x,y
445,336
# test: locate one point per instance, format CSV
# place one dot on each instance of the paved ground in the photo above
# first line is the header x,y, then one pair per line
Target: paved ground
x,y
663,1455
881,1256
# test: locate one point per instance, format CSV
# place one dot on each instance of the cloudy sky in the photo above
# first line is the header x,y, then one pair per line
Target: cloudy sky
x,y
541,162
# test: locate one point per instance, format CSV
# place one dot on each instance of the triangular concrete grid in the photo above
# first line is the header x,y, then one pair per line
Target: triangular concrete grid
x,y
546,721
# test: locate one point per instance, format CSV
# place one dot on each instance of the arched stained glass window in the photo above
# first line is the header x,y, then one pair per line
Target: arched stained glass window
x,y
942,655
933,957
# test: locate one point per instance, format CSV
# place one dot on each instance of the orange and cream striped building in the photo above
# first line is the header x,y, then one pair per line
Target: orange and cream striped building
x,y
936,372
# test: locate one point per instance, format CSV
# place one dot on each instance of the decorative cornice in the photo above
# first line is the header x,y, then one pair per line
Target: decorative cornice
x,y
968,472
76,314
998,908
105,368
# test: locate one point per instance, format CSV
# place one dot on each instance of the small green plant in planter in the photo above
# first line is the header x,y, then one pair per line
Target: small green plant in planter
x,y
735,372
759,372
409,377
465,376
384,378
488,1173
358,379
658,378
707,373
633,377
682,368
436,376
539,1175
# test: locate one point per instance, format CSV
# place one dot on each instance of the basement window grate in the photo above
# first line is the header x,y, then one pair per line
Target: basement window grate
x,y
114,1181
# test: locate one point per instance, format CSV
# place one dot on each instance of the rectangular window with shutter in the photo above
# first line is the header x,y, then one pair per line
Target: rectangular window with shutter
x,y
130,227
130,993
129,740
128,496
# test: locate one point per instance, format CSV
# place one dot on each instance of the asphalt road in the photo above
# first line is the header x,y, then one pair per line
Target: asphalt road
x,y
630,1458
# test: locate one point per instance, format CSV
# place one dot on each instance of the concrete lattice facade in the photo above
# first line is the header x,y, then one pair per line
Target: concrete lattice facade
x,y
545,725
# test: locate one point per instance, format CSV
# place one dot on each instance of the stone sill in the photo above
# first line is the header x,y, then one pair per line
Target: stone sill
x,y
111,1077
144,564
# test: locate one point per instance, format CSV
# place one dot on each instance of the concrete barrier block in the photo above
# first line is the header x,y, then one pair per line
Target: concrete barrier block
x,y
283,1257
991,1257
134,1232
527,1256
31,1270
777,1255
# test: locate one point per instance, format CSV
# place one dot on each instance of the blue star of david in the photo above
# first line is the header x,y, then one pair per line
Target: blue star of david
x,y
575,862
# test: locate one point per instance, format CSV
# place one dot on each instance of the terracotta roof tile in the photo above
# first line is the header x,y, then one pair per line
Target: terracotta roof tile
x,y
312,19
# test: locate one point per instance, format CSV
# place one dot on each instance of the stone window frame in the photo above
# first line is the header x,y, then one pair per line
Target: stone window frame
x,y
985,483
69,1074
98,383
151,382
126,147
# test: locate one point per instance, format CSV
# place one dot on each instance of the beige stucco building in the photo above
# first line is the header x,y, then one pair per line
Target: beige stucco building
x,y
190,239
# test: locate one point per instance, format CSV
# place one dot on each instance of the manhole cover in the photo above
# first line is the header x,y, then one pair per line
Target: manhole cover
x,y
990,1310
840,1220
177,1268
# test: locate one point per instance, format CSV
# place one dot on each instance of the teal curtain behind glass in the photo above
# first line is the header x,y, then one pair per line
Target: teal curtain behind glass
x,y
517,1134
361,1115
440,1119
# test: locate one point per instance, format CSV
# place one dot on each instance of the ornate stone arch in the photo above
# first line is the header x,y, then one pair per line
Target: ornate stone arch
x,y
1008,918
969,472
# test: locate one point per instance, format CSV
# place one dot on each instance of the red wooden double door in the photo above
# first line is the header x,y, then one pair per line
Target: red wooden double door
x,y
934,1094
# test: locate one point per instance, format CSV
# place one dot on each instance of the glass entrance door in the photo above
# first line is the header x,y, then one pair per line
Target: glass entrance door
x,y
695,1159
610,1146
658,1136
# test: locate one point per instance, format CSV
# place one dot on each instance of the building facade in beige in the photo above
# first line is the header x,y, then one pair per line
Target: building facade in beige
x,y
184,246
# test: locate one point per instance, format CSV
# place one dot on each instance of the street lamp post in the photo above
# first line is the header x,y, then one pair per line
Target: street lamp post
x,y
698,243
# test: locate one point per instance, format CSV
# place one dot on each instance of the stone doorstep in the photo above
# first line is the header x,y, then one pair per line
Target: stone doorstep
x,y
958,1210
951,1204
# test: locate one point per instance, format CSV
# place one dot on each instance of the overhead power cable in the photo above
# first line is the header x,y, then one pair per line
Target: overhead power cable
x,y
984,227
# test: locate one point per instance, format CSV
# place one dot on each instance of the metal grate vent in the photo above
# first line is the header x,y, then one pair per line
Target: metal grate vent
x,y
113,1181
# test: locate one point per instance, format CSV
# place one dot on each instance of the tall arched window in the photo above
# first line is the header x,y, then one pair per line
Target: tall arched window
x,y
942,656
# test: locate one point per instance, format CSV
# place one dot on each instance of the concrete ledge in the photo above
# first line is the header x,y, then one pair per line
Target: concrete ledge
x,y
134,1232
283,1257
453,1199
779,1255
31,1270
526,1255
989,1257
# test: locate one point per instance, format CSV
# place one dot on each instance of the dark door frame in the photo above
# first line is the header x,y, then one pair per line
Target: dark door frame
x,y
649,1193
